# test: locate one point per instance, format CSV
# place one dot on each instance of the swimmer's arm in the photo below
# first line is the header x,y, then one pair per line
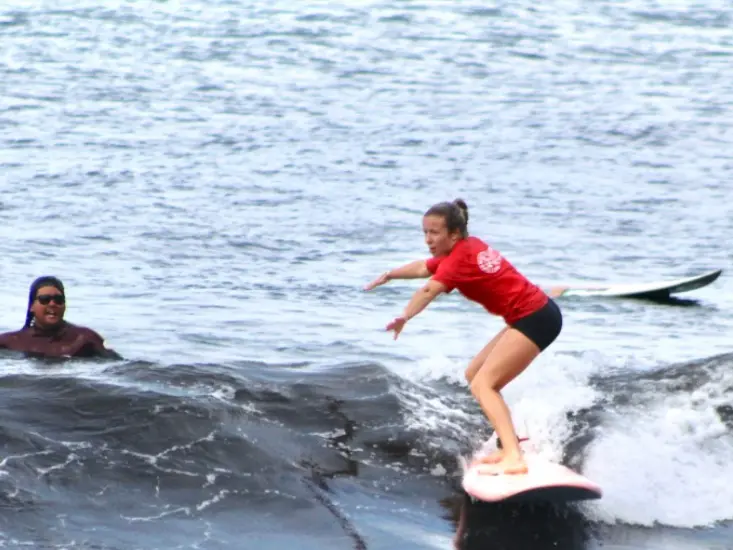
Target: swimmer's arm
x,y
414,270
90,344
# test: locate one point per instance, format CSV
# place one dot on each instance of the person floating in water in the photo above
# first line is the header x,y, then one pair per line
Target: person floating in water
x,y
46,334
483,275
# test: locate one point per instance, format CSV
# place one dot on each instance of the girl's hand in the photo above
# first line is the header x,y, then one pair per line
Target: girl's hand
x,y
382,279
397,325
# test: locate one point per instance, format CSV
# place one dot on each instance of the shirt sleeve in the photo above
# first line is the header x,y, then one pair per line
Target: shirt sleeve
x,y
445,274
433,263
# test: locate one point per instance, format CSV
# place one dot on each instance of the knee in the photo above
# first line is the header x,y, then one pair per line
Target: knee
x,y
473,386
482,381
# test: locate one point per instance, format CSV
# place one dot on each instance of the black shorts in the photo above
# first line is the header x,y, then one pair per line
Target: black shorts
x,y
542,326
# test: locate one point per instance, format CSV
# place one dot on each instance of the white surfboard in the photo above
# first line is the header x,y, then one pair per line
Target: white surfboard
x,y
659,290
544,481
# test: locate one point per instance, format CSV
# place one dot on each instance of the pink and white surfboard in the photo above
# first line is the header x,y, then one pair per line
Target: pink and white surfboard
x,y
545,481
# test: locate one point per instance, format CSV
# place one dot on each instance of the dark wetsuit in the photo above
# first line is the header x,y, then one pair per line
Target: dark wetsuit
x,y
67,340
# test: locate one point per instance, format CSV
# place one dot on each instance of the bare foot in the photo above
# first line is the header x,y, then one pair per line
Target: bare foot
x,y
513,465
492,458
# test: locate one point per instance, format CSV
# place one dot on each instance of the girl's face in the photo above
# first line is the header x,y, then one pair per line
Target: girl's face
x,y
439,241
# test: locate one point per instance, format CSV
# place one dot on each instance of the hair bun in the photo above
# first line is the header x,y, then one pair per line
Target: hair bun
x,y
461,204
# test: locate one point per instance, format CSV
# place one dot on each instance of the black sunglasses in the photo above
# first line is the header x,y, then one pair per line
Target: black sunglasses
x,y
45,299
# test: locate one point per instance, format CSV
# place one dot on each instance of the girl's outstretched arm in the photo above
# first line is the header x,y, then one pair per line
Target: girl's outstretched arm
x,y
418,302
414,270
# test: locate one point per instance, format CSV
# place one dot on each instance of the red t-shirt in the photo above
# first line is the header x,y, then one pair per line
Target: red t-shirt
x,y
483,275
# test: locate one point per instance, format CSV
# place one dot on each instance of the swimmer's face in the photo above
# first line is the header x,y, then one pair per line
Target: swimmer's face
x,y
46,309
440,242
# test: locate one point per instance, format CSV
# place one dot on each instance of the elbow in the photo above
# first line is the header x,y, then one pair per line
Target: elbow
x,y
431,290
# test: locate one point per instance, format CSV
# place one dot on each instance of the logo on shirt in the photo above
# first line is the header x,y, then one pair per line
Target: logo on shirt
x,y
489,260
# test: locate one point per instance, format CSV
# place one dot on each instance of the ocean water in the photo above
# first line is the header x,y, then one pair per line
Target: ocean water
x,y
215,182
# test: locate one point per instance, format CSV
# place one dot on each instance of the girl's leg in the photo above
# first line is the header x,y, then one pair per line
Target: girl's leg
x,y
478,361
511,354
473,367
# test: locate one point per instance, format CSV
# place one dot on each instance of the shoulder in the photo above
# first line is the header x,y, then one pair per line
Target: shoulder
x,y
466,249
15,339
474,244
6,336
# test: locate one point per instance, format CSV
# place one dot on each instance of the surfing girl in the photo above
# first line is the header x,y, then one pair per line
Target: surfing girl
x,y
481,274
